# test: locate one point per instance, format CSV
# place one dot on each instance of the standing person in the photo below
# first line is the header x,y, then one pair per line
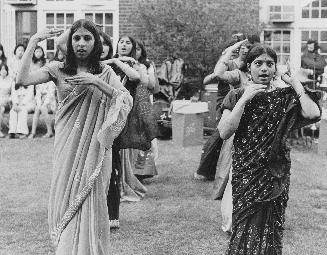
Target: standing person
x,y
260,115
93,108
125,65
145,160
113,196
313,62
3,58
5,92
211,149
45,95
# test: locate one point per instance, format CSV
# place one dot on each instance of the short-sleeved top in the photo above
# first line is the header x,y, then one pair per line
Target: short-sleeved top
x,y
54,69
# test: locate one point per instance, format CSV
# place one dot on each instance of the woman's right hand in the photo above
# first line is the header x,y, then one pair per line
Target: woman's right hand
x,y
109,61
252,90
235,46
45,34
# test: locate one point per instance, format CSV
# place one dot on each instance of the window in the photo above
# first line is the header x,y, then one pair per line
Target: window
x,y
279,40
281,13
103,19
60,20
319,35
26,26
315,10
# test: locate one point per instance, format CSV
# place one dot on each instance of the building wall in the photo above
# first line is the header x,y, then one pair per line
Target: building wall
x,y
78,8
297,27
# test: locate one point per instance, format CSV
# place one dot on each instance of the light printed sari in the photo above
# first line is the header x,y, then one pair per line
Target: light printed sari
x,y
87,122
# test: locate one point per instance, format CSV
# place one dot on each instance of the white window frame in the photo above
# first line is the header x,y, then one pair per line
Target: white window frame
x,y
103,25
283,13
281,54
64,26
320,42
310,8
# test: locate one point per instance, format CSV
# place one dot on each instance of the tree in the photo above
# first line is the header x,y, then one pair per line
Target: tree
x,y
195,30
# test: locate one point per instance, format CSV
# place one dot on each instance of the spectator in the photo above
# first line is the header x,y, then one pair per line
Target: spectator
x,y
5,92
313,62
3,58
45,96
15,62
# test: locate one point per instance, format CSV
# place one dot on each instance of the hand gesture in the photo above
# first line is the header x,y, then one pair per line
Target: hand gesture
x,y
252,90
109,61
82,78
235,46
127,59
46,33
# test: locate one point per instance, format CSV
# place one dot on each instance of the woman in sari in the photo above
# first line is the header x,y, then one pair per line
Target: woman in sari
x,y
145,166
93,108
259,116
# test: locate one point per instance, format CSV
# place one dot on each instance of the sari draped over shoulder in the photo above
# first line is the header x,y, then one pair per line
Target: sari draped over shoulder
x,y
261,169
87,122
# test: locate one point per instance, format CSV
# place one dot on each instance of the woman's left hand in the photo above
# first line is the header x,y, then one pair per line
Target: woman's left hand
x,y
83,78
127,59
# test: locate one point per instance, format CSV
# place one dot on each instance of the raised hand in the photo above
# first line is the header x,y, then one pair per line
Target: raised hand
x,y
127,59
251,90
46,33
235,46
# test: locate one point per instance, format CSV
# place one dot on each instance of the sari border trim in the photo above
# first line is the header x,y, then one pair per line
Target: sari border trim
x,y
76,203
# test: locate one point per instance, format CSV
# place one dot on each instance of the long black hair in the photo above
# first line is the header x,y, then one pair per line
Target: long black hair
x,y
143,58
42,59
256,51
107,41
6,67
133,51
3,57
70,65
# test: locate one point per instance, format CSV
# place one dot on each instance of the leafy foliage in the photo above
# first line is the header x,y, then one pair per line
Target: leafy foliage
x,y
195,30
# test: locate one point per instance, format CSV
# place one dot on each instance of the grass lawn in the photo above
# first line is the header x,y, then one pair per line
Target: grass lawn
x,y
176,217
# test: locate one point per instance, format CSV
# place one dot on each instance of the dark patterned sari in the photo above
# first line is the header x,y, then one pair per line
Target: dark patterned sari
x,y
261,169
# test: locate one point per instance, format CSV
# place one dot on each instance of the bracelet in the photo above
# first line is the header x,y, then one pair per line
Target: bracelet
x,y
299,95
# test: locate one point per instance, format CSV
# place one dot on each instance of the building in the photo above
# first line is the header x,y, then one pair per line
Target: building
x,y
19,19
288,24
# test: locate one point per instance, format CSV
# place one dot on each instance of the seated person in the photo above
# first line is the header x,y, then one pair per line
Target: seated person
x,y
45,103
23,103
5,92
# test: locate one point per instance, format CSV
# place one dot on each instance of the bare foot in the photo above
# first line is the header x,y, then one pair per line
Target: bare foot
x,y
31,136
48,135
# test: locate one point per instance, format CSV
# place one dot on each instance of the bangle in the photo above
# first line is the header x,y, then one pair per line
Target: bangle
x,y
299,95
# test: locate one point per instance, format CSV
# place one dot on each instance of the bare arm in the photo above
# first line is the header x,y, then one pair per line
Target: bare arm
x,y
209,79
87,79
61,41
130,72
310,109
24,76
221,66
152,77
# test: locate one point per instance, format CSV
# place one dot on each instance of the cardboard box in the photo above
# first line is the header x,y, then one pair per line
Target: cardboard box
x,y
187,122
187,129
